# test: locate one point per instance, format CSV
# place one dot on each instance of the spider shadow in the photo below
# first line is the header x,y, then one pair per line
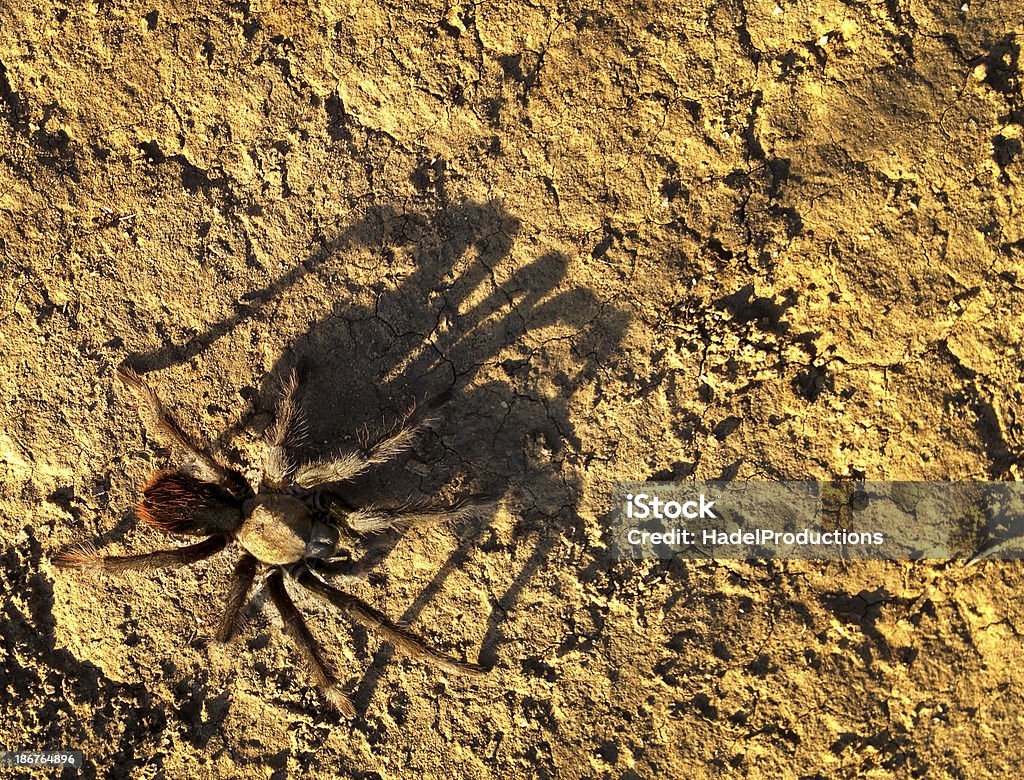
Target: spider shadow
x,y
472,319
511,339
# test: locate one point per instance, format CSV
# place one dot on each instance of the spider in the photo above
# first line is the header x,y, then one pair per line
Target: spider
x,y
294,524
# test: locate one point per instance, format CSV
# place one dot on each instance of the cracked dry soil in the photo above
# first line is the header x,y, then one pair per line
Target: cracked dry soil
x,y
638,241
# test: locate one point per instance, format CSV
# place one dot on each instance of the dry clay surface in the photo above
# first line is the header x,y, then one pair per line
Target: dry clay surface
x,y
637,241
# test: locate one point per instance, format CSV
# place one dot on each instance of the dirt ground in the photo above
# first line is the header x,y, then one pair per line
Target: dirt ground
x,y
638,242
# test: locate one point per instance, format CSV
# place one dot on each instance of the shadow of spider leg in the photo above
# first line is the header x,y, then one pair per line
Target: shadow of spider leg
x,y
369,618
296,628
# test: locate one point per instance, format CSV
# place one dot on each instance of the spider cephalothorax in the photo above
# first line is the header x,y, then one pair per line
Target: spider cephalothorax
x,y
293,522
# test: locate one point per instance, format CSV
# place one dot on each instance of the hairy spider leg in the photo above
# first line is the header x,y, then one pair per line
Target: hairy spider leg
x,y
241,582
85,556
296,628
373,519
349,465
369,618
287,428
158,418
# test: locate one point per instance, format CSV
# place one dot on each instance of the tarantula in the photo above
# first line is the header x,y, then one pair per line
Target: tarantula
x,y
295,523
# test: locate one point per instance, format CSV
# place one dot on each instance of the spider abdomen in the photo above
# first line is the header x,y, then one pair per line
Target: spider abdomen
x,y
279,529
176,503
